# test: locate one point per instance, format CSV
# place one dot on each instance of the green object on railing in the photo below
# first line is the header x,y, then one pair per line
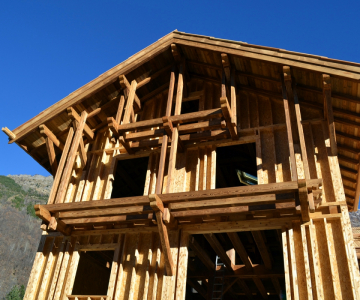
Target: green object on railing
x,y
246,178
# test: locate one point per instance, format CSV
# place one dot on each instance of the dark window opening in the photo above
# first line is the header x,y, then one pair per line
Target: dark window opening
x,y
198,262
236,165
129,177
189,106
93,273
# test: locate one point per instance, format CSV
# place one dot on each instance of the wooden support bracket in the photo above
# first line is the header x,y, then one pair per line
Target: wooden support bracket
x,y
113,125
158,206
46,133
228,116
44,214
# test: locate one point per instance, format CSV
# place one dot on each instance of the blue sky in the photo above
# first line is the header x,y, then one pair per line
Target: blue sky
x,y
48,49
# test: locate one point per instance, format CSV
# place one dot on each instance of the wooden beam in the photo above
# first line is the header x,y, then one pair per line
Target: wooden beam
x,y
175,133
304,204
357,192
82,152
120,109
176,53
9,133
42,213
238,226
164,238
228,117
240,249
74,116
270,188
299,125
264,252
130,101
142,135
260,287
160,175
245,288
294,176
71,158
233,202
226,65
184,118
130,88
328,113
219,250
52,156
46,133
228,287
153,76
156,203
63,158
196,286
202,126
201,254
233,98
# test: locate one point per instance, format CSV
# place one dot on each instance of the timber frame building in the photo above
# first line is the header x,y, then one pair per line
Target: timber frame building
x,y
201,168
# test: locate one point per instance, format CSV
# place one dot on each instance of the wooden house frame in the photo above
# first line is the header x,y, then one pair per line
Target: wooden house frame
x,y
297,116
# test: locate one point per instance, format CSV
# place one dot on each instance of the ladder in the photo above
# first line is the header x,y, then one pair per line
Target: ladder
x,y
218,282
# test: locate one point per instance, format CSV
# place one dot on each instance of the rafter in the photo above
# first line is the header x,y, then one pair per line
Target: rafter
x,y
46,133
219,250
201,254
240,249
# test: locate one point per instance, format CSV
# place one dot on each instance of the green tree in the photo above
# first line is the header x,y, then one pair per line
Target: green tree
x,y
30,210
18,202
16,293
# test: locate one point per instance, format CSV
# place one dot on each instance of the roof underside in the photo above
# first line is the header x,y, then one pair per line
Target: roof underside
x,y
258,69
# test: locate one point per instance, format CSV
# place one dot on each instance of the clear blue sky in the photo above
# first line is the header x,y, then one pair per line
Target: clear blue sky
x,y
50,48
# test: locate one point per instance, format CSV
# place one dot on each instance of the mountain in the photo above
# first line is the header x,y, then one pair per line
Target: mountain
x,y
19,229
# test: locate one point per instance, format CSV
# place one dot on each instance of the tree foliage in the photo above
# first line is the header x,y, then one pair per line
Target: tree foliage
x,y
16,293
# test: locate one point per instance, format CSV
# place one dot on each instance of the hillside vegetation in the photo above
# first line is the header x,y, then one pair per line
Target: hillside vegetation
x,y
19,229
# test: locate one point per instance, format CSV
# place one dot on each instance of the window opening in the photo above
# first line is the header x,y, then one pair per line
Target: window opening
x,y
236,165
189,106
93,273
129,177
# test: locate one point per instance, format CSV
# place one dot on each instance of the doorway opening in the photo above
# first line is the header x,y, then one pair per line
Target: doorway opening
x,y
236,165
129,177
93,273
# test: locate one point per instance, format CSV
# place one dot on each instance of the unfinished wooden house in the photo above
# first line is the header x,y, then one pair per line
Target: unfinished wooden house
x,y
201,168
